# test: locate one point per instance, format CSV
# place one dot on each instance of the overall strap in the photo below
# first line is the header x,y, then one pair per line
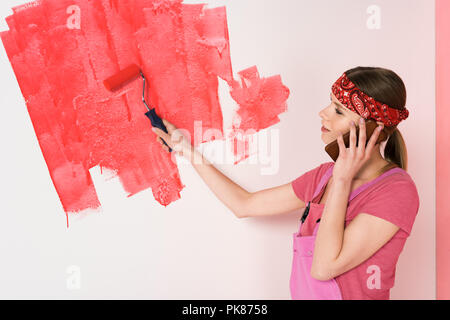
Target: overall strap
x,y
322,181
319,187
367,185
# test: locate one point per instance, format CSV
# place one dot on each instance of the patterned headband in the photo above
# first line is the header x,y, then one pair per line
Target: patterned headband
x,y
367,107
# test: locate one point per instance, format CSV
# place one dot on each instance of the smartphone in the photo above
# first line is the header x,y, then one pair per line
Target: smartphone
x,y
333,148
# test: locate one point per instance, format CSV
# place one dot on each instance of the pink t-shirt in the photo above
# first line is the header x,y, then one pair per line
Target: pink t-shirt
x,y
393,198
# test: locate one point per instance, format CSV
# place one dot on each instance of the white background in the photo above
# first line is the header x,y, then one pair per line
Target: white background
x,y
195,248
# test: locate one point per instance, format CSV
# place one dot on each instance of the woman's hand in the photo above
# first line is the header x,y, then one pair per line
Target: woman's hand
x,y
351,159
174,138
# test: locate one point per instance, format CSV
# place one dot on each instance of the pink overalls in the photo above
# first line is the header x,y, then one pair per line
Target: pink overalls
x,y
302,285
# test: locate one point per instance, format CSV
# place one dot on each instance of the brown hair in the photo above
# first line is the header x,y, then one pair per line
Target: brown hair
x,y
387,87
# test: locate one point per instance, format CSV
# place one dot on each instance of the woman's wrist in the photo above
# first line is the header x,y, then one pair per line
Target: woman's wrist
x,y
188,151
195,156
342,182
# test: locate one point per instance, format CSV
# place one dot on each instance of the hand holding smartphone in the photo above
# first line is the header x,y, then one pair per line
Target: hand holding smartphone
x,y
333,148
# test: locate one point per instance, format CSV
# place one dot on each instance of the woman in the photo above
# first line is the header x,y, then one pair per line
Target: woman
x,y
358,211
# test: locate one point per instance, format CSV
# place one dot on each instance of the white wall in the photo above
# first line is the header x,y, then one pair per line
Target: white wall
x,y
195,248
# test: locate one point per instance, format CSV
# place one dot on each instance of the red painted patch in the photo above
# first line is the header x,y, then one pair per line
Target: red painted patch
x,y
260,102
181,48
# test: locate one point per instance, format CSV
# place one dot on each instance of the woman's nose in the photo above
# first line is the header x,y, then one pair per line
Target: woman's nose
x,y
321,114
324,111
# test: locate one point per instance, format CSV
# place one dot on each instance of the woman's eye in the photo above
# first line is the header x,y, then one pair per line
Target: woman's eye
x,y
337,111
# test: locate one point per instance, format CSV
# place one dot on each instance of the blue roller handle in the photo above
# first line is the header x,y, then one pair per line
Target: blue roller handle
x,y
158,123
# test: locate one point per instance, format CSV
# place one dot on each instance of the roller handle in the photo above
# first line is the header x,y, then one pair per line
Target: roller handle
x,y
158,123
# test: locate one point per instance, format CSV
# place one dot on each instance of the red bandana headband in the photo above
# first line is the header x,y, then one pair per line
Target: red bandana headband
x,y
367,107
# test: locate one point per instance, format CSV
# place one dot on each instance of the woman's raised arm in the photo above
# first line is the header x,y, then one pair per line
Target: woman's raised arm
x,y
242,203
271,201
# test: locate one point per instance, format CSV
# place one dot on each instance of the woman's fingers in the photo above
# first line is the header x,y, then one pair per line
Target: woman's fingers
x,y
362,135
373,139
341,145
173,138
161,133
161,137
352,136
170,127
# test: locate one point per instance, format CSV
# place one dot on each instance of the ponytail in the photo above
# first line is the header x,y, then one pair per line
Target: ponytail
x,y
395,151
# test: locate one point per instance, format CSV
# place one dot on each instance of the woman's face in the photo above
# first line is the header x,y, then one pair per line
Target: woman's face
x,y
337,118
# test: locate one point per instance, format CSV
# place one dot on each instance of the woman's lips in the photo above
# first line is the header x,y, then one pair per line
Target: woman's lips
x,y
324,129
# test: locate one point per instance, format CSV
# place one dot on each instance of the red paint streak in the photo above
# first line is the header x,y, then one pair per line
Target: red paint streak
x,y
260,102
181,48
240,145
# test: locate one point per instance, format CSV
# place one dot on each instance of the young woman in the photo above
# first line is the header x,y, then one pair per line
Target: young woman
x,y
358,211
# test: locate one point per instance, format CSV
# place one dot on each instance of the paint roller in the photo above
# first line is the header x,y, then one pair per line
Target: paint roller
x,y
126,75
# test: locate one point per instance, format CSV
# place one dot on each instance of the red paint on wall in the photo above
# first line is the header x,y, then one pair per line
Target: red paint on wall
x,y
260,101
181,48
